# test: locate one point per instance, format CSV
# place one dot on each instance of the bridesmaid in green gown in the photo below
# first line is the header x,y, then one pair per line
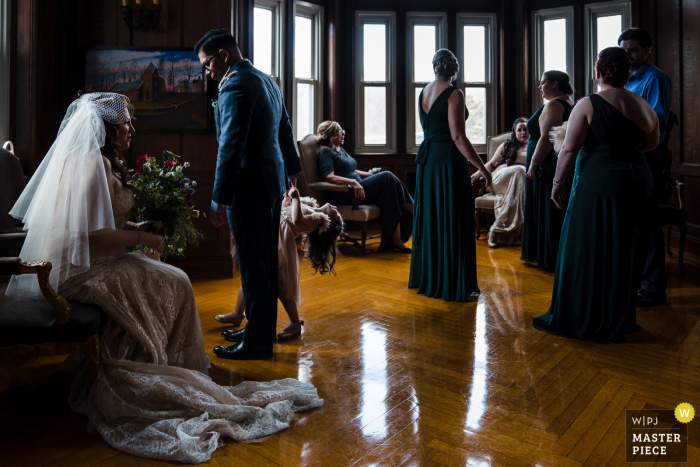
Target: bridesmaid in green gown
x,y
443,263
602,247
542,219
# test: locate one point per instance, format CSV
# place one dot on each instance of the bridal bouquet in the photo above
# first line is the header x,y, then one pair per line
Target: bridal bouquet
x,y
164,194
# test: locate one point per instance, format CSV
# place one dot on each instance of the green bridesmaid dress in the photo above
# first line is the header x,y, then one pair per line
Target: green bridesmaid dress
x,y
605,233
542,219
443,262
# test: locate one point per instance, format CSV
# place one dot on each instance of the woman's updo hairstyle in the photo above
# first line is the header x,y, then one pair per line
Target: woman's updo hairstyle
x,y
325,132
562,79
445,64
614,66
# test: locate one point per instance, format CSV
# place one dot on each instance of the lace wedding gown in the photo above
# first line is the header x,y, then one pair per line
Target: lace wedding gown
x,y
152,397
508,184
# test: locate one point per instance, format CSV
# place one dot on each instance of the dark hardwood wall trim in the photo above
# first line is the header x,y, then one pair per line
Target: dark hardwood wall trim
x,y
331,78
288,71
13,73
244,29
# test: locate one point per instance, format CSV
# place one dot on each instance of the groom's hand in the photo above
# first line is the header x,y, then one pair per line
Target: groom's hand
x,y
217,218
217,214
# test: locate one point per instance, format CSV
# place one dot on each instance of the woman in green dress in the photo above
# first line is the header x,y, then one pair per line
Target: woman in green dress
x,y
443,263
543,220
602,247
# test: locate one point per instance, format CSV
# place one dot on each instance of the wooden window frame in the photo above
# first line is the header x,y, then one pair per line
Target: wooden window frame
x,y
415,18
538,19
489,21
315,13
387,18
592,12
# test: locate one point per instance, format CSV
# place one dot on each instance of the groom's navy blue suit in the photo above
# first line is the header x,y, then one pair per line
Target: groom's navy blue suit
x,y
256,154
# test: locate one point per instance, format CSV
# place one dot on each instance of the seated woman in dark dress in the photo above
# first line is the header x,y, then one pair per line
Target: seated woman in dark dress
x,y
383,189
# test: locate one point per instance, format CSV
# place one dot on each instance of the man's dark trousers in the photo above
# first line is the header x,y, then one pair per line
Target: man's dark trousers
x,y
654,272
255,229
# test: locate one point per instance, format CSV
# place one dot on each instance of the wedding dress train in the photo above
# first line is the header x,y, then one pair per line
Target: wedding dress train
x,y
152,397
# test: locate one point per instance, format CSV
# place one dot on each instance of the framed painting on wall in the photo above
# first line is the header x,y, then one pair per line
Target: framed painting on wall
x,y
166,85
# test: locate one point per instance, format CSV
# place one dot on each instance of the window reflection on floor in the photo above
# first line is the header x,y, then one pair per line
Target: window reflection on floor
x,y
477,395
374,381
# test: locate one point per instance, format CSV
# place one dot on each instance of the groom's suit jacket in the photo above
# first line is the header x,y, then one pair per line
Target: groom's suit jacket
x,y
256,143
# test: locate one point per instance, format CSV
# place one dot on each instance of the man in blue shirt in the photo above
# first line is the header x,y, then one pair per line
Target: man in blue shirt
x,y
654,86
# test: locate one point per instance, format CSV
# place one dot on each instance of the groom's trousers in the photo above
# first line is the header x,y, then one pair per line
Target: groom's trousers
x,y
255,229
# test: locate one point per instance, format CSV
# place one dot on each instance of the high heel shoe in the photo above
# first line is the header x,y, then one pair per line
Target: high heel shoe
x,y
492,244
226,319
393,246
285,336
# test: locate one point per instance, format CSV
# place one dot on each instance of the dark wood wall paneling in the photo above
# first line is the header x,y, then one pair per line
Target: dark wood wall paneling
x,y
673,26
51,39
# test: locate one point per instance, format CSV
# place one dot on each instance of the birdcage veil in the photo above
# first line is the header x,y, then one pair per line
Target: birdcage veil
x,y
67,199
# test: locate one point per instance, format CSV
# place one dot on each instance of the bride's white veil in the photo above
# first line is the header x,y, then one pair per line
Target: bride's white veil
x,y
67,198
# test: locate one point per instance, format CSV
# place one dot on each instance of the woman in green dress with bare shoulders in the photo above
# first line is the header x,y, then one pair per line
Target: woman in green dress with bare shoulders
x,y
543,220
605,232
443,263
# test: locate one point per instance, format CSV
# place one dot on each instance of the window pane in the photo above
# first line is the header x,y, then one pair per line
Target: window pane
x,y
303,48
423,50
262,40
374,52
555,45
474,54
375,115
475,98
305,110
419,128
609,29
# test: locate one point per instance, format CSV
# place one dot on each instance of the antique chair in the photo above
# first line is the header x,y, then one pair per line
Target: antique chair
x,y
484,199
669,213
32,328
12,183
362,214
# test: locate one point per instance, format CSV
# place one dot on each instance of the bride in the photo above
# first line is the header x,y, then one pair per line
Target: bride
x,y
152,396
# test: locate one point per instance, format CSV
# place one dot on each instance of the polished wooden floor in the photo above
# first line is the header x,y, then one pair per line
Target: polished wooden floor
x,y
410,381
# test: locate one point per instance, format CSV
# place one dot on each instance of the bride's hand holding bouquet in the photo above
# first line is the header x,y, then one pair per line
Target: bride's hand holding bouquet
x,y
164,210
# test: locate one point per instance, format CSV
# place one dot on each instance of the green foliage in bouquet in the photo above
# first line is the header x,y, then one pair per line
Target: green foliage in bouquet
x,y
164,194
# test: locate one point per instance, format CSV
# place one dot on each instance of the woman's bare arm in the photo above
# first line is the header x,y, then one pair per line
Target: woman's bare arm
x,y
301,220
491,165
455,117
576,133
651,140
122,238
552,115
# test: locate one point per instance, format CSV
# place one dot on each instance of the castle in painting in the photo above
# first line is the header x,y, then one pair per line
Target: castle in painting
x,y
146,89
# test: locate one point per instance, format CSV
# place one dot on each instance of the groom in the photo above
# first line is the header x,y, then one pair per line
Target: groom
x,y
256,158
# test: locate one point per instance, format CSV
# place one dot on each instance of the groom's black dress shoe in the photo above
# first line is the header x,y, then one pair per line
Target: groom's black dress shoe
x,y
647,299
245,351
233,336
